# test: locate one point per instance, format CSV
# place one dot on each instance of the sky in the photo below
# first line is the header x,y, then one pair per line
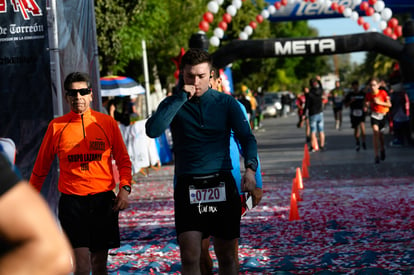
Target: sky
x,y
342,26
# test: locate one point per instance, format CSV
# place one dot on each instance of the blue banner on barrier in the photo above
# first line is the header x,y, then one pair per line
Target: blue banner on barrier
x,y
307,10
164,150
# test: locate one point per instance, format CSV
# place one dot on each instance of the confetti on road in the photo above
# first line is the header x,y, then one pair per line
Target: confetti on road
x,y
347,226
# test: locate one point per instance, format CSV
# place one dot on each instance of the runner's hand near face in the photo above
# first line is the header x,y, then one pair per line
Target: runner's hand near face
x,y
190,90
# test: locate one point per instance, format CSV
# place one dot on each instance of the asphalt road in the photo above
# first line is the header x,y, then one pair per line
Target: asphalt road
x,y
355,217
281,150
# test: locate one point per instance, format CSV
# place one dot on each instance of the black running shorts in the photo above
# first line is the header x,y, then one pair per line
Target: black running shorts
x,y
356,120
380,122
89,221
209,204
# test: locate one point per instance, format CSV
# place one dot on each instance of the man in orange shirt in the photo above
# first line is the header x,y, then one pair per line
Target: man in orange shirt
x,y
380,103
85,141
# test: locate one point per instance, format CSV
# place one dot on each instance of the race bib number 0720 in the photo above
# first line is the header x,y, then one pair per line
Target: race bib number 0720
x,y
213,194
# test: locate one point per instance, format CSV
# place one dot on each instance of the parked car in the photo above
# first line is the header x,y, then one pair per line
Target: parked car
x,y
272,105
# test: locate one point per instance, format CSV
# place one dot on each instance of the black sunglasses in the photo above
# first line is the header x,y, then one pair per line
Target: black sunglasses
x,y
74,92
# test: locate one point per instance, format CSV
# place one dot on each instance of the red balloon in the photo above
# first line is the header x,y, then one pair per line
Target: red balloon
x,y
363,6
283,2
253,25
360,21
227,18
394,36
341,8
393,22
334,6
259,18
277,5
398,31
366,26
372,2
222,25
387,31
370,11
204,26
208,16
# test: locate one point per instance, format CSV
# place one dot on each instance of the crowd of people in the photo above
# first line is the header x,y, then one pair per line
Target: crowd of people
x,y
386,107
211,132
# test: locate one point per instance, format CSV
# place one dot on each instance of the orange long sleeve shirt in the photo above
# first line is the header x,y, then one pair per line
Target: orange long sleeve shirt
x,y
84,145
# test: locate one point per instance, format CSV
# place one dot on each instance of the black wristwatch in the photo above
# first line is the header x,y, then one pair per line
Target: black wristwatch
x,y
252,166
127,188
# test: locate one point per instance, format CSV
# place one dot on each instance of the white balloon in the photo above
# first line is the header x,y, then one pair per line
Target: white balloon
x,y
212,6
376,17
243,36
219,2
237,4
214,41
291,1
383,25
357,2
386,14
218,32
354,16
231,10
265,14
379,6
328,3
248,30
347,12
271,9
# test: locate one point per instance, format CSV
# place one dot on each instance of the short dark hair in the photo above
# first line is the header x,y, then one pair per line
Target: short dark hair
x,y
76,77
195,56
355,82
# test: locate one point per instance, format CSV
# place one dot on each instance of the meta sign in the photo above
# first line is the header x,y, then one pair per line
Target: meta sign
x,y
307,10
305,47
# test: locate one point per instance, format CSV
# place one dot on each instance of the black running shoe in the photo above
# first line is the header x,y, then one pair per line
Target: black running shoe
x,y
364,146
377,160
382,154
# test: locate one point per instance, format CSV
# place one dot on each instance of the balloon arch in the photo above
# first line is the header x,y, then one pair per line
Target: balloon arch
x,y
288,47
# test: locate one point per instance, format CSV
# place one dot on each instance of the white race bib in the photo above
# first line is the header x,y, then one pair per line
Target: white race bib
x,y
357,112
377,116
212,194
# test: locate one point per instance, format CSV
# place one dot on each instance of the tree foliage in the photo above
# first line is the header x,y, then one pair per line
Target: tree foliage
x,y
167,26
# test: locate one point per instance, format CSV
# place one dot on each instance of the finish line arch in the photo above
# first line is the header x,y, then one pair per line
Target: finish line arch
x,y
403,52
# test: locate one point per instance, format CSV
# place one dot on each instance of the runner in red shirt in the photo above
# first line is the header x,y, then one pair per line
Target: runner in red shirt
x,y
380,103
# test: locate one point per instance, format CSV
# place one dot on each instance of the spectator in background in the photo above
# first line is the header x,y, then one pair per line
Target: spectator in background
x,y
253,104
314,110
246,103
260,106
336,95
400,116
300,104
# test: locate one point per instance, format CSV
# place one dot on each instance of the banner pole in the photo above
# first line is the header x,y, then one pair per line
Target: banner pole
x,y
147,87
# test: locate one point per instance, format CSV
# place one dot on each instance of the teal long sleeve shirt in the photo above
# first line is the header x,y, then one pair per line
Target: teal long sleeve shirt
x,y
200,129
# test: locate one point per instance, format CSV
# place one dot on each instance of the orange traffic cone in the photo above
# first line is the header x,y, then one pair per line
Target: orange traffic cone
x,y
306,155
305,171
298,178
295,189
294,212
